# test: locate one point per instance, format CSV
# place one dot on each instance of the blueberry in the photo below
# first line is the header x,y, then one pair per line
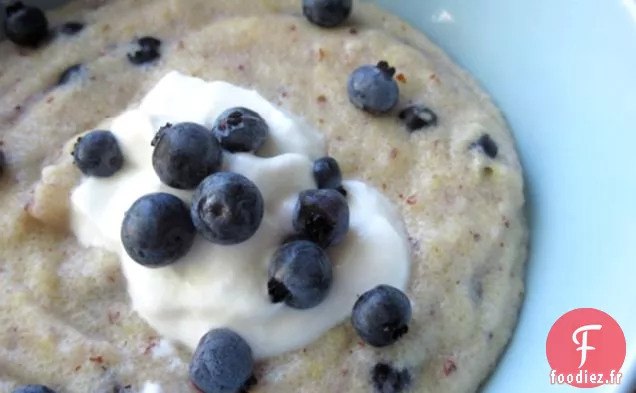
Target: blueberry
x,y
25,25
98,154
149,51
157,230
487,145
240,130
373,88
387,379
33,389
322,216
227,208
148,42
222,363
70,73
71,28
300,275
327,13
381,315
327,173
185,154
416,117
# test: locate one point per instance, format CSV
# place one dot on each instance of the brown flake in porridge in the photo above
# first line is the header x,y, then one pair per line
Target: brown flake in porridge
x,y
449,367
96,359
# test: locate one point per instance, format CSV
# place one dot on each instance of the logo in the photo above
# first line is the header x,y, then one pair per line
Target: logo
x,y
586,348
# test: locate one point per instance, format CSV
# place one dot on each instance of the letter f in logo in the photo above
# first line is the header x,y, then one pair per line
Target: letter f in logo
x,y
583,344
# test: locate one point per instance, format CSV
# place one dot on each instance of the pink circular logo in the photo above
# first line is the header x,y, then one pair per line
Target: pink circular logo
x,y
586,348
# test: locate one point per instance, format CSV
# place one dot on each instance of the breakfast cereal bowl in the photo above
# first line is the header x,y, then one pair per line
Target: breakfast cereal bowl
x,y
400,174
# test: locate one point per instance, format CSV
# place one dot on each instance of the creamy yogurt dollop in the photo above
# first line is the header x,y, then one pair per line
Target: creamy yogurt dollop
x,y
225,286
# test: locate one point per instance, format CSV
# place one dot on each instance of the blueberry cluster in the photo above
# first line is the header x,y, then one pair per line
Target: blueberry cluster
x,y
371,88
226,208
300,274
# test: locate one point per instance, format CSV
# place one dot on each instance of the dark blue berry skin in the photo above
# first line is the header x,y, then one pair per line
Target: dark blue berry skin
x,y
240,130
97,153
327,173
300,275
222,363
70,73
3,163
185,154
381,315
148,52
417,117
386,379
486,145
157,230
33,389
227,208
322,216
373,88
25,25
327,13
71,28
148,42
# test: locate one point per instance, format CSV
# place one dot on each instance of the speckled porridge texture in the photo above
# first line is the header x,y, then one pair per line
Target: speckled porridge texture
x,y
65,319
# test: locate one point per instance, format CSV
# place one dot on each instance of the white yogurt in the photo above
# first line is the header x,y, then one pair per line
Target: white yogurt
x,y
225,286
151,387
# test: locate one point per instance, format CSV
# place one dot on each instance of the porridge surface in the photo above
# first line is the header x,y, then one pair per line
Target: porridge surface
x,y
64,311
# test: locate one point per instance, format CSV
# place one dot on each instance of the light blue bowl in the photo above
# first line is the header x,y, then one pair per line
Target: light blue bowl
x,y
564,74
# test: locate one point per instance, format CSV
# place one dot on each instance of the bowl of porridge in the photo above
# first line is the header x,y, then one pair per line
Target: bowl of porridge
x,y
317,195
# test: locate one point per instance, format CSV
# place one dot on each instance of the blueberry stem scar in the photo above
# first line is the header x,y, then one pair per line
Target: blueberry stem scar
x,y
401,331
250,383
386,69
277,291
